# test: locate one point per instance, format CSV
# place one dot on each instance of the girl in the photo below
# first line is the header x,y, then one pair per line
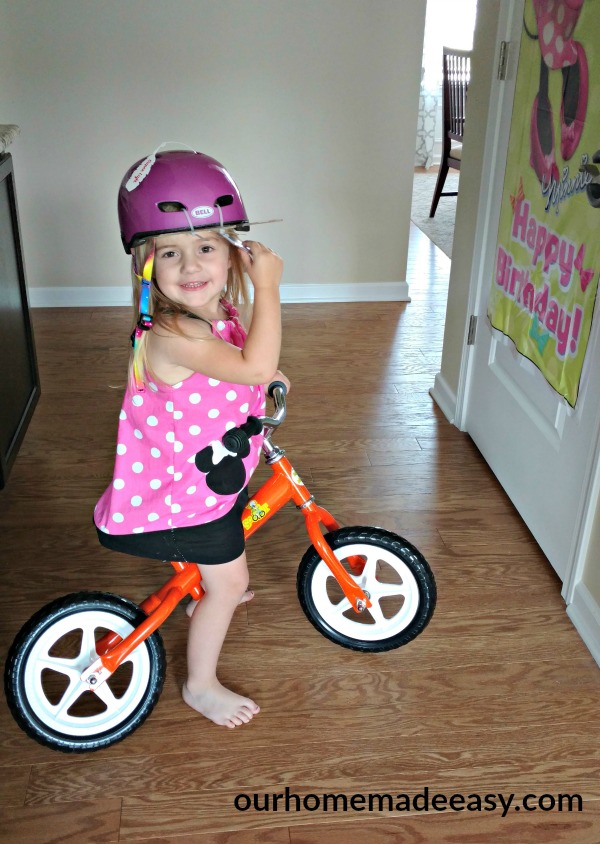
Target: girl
x,y
177,493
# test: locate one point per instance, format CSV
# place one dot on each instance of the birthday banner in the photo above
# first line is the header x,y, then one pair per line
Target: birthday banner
x,y
548,251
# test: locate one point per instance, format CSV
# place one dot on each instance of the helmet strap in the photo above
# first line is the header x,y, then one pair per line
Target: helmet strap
x,y
144,322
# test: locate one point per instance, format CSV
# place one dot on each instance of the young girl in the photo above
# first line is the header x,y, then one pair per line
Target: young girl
x,y
177,493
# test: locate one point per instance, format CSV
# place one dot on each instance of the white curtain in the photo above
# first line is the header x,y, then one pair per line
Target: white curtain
x,y
448,23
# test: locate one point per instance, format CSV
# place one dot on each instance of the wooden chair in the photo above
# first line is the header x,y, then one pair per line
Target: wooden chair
x,y
456,76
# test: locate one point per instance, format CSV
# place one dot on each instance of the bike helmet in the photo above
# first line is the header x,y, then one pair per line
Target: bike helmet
x,y
177,190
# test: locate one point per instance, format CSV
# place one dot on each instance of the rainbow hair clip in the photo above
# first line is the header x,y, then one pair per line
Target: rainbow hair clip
x,y
145,321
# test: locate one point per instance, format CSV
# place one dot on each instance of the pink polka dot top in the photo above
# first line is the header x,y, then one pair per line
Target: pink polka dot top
x,y
159,480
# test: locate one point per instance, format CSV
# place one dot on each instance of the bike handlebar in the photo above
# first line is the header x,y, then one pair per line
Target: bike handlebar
x,y
237,440
277,390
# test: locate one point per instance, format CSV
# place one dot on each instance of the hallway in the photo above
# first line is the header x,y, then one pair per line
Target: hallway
x,y
498,695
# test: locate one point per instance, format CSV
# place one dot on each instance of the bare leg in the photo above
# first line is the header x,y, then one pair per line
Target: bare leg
x,y
191,605
225,585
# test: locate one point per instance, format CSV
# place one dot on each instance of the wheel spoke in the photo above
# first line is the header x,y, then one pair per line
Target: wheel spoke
x,y
386,590
69,667
88,642
104,692
74,691
369,572
375,610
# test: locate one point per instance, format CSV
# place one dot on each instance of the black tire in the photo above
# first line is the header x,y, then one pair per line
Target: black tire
x,y
65,630
392,565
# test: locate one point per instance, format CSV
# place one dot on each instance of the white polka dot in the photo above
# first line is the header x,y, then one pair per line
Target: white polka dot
x,y
155,483
168,500
170,522
210,501
231,395
152,517
192,459
560,15
177,447
122,415
137,467
154,389
212,414
220,325
104,529
152,421
213,382
244,408
136,500
169,406
138,530
195,430
191,515
176,508
170,470
155,452
559,45
138,434
138,401
191,490
229,426
121,449
548,32
118,517
170,438
176,386
194,398
178,415
177,476
118,483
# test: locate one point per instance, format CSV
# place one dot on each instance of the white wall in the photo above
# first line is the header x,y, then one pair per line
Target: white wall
x,y
311,105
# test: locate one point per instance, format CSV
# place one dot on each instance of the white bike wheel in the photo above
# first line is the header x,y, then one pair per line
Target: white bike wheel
x,y
42,677
396,577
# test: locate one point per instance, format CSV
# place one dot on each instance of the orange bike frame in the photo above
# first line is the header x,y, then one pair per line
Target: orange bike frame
x,y
283,486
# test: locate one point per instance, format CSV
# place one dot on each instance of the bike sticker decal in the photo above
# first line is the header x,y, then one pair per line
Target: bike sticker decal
x,y
257,512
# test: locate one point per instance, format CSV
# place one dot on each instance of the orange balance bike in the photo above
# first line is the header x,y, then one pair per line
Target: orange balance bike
x,y
87,669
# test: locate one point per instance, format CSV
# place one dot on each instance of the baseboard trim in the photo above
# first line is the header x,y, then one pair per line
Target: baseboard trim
x,y
584,612
96,297
444,397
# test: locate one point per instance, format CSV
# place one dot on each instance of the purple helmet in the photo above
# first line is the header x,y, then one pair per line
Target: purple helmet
x,y
177,191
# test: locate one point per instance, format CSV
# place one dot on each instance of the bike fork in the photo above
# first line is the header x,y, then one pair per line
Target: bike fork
x,y
286,485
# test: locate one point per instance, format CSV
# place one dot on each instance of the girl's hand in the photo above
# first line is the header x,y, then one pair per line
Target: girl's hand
x,y
279,376
264,267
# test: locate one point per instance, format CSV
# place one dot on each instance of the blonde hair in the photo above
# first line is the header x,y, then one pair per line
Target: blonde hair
x,y
165,312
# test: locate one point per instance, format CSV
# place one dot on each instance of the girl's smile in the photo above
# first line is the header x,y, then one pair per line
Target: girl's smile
x,y
192,269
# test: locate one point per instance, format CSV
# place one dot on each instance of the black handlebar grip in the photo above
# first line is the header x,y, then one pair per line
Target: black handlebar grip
x,y
252,426
237,440
274,384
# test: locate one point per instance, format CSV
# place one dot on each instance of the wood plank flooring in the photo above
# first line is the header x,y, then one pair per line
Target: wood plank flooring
x,y
498,695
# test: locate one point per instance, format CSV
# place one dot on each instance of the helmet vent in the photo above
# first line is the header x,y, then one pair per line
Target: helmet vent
x,y
223,201
169,207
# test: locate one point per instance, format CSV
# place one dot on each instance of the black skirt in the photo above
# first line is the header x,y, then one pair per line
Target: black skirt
x,y
213,543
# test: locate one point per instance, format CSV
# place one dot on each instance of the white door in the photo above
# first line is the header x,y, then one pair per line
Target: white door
x,y
540,449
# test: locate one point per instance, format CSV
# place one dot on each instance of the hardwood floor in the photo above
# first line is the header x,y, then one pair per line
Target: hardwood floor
x,y
498,695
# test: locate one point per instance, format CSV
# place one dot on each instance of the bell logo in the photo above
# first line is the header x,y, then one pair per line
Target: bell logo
x,y
202,211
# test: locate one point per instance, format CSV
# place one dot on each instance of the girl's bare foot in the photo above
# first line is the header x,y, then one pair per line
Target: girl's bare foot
x,y
222,706
247,596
